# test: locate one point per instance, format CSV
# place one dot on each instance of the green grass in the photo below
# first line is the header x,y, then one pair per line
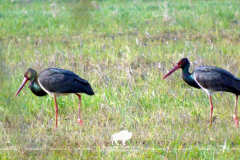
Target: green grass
x,y
123,48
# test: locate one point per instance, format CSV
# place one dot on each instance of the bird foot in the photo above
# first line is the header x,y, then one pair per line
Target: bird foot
x,y
80,121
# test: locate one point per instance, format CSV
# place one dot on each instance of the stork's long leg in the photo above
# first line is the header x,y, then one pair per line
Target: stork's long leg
x,y
56,111
79,109
211,108
235,116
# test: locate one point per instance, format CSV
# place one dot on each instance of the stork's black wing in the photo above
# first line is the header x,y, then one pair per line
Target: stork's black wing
x,y
63,81
217,79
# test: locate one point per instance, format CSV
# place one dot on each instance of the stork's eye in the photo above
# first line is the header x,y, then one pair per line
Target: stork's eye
x,y
27,75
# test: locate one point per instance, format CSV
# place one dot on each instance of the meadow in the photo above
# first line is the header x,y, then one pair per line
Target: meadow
x,y
123,48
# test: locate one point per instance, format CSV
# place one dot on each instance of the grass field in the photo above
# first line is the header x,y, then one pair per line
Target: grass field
x,y
123,48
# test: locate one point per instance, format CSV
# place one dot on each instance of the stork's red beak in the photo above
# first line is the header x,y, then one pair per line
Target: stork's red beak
x,y
169,73
22,85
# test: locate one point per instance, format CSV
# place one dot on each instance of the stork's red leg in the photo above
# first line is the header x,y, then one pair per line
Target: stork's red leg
x,y
79,110
235,116
211,108
56,111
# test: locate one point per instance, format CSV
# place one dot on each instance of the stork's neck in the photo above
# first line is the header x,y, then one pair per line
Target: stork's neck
x,y
35,88
188,77
185,72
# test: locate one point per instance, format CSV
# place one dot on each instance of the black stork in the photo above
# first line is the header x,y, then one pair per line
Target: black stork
x,y
56,82
210,79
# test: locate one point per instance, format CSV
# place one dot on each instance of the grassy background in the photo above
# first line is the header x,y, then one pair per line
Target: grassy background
x,y
123,48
